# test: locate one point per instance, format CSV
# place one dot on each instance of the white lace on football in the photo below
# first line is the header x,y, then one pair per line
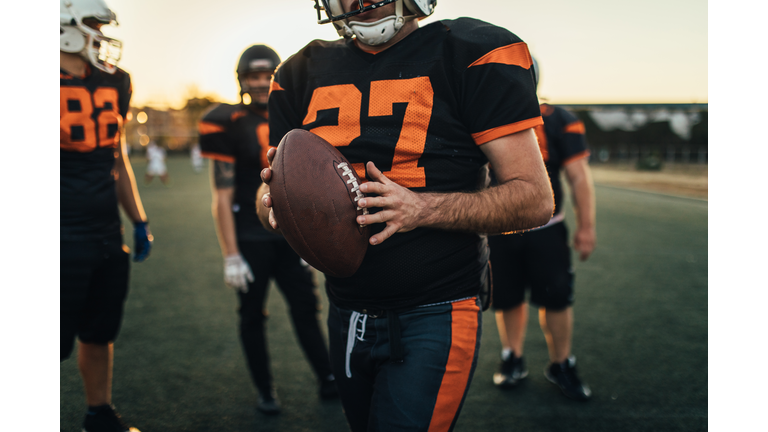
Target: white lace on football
x,y
353,181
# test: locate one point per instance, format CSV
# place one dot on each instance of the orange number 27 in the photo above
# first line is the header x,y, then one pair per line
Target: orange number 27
x,y
416,92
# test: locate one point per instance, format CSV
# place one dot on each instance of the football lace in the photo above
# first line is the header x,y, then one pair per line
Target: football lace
x,y
353,181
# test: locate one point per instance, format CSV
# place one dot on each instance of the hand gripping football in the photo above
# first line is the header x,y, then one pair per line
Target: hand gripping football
x,y
314,197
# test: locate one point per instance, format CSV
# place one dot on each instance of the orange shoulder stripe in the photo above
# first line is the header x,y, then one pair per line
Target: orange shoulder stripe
x,y
498,132
576,157
576,127
515,54
460,357
218,157
237,114
206,128
274,86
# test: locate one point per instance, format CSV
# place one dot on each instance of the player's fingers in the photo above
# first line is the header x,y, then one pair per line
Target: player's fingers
x,y
375,174
380,217
266,175
384,234
272,220
266,200
370,202
373,187
271,155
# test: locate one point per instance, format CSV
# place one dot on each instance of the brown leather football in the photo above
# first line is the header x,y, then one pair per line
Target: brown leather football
x,y
314,196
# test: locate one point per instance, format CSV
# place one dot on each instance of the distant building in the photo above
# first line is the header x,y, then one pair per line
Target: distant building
x,y
173,129
676,133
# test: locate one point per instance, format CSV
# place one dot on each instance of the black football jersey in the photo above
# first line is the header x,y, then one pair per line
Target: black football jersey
x,y
419,110
93,109
235,134
561,140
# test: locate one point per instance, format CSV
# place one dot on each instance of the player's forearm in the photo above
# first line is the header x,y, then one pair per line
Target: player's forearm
x,y
583,193
513,206
127,193
224,220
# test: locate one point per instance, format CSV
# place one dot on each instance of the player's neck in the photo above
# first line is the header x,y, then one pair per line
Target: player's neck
x,y
408,28
73,64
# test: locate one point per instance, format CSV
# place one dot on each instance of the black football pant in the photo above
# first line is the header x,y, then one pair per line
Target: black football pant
x,y
275,259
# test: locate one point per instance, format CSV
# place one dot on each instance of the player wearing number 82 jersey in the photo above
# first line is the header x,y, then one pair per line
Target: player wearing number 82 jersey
x,y
93,109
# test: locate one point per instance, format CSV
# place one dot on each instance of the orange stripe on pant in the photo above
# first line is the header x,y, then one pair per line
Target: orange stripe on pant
x,y
457,370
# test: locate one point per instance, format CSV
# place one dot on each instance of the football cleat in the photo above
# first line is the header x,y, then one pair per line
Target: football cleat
x,y
328,388
511,372
105,419
564,376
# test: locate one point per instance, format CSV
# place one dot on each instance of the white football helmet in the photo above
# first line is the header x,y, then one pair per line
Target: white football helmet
x,y
101,51
377,32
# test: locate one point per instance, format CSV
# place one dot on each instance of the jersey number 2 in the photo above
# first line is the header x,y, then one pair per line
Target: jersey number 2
x,y
82,117
416,92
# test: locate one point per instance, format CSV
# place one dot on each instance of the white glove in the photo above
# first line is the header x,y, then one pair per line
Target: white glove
x,y
236,271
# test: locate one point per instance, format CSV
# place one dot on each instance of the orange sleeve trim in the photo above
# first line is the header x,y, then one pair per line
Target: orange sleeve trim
x,y
498,132
218,157
460,357
206,128
274,86
576,127
516,54
576,157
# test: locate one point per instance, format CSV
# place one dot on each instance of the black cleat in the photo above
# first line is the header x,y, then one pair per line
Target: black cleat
x,y
328,388
269,405
510,373
564,376
105,419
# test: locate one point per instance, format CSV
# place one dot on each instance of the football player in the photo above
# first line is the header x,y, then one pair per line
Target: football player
x,y
155,164
540,261
420,112
236,138
96,176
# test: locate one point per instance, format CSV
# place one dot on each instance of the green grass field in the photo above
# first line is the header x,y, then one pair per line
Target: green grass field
x,y
640,331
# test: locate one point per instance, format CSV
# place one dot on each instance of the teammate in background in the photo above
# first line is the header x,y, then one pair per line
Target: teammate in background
x,y
236,138
196,158
155,164
540,261
95,96
421,111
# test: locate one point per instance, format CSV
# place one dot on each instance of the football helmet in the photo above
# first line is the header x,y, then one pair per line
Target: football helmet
x,y
257,58
75,37
377,32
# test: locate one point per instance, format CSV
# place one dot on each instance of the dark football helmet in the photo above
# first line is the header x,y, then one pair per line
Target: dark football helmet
x,y
257,58
374,33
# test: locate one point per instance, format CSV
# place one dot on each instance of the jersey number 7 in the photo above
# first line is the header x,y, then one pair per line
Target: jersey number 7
x,y
417,92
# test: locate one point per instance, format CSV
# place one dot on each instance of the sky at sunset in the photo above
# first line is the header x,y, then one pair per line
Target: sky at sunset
x,y
591,51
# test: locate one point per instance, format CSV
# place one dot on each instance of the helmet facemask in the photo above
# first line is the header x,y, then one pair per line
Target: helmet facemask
x,y
99,50
377,32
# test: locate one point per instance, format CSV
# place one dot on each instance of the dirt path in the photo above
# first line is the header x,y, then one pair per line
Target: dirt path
x,y
691,181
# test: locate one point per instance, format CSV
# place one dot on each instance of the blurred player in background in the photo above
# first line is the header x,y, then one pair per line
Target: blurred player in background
x,y
430,107
95,176
196,158
540,261
236,138
155,164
